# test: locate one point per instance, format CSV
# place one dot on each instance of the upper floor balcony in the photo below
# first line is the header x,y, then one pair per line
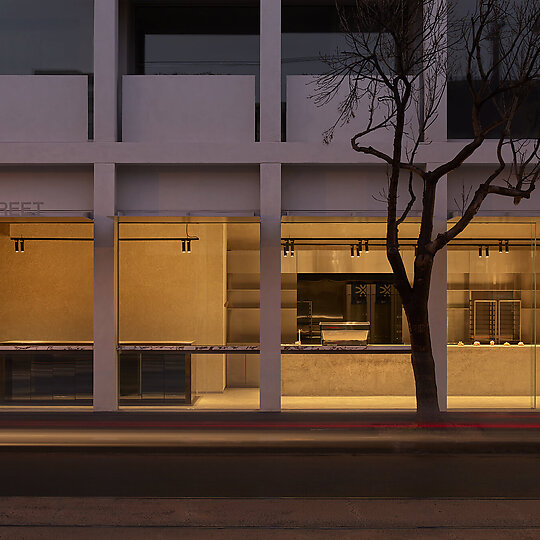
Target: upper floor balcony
x,y
188,108
50,108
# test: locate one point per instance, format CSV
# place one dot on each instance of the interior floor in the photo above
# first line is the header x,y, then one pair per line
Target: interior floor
x,y
248,399
245,399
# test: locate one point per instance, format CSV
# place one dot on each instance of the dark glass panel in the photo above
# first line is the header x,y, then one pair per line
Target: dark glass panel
x,y
174,376
41,371
130,375
214,40
152,376
63,375
84,376
18,371
46,376
46,37
527,120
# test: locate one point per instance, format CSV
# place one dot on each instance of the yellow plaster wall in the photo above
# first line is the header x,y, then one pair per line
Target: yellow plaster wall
x,y
46,292
167,295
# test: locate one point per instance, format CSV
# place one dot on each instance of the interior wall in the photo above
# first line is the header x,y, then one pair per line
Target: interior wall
x,y
46,293
167,295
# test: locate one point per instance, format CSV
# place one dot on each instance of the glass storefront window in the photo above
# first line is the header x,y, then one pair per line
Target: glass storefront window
x,y
46,311
492,322
337,272
182,283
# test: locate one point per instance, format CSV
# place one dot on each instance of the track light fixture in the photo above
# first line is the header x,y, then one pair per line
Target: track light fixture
x,y
288,248
500,246
506,246
361,247
19,245
480,251
186,245
487,251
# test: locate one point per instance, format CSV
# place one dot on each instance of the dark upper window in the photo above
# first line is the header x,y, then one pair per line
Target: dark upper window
x,y
309,32
196,40
46,37
526,121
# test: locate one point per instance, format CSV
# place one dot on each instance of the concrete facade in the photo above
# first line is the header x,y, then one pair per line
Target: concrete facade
x,y
203,160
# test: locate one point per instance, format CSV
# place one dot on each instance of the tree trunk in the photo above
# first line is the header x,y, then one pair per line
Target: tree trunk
x,y
422,358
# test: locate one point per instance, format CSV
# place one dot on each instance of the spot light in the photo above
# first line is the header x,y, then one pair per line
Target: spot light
x,y
487,251
367,246
183,246
292,248
480,251
506,247
500,246
359,248
21,245
352,251
189,246
286,248
16,246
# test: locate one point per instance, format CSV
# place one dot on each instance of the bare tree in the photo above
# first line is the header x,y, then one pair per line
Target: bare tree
x,y
395,64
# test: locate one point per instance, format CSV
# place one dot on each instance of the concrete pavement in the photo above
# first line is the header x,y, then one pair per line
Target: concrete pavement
x,y
30,518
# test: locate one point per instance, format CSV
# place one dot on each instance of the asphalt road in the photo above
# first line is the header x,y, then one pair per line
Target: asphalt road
x,y
161,473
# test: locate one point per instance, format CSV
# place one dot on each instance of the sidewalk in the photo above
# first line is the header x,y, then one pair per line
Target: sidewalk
x,y
389,432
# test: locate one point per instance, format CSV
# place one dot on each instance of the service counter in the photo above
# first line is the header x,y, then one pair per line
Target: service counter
x,y
491,370
483,370
329,371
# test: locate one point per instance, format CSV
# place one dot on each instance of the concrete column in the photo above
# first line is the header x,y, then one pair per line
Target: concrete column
x,y
105,70
270,71
270,359
437,295
105,298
